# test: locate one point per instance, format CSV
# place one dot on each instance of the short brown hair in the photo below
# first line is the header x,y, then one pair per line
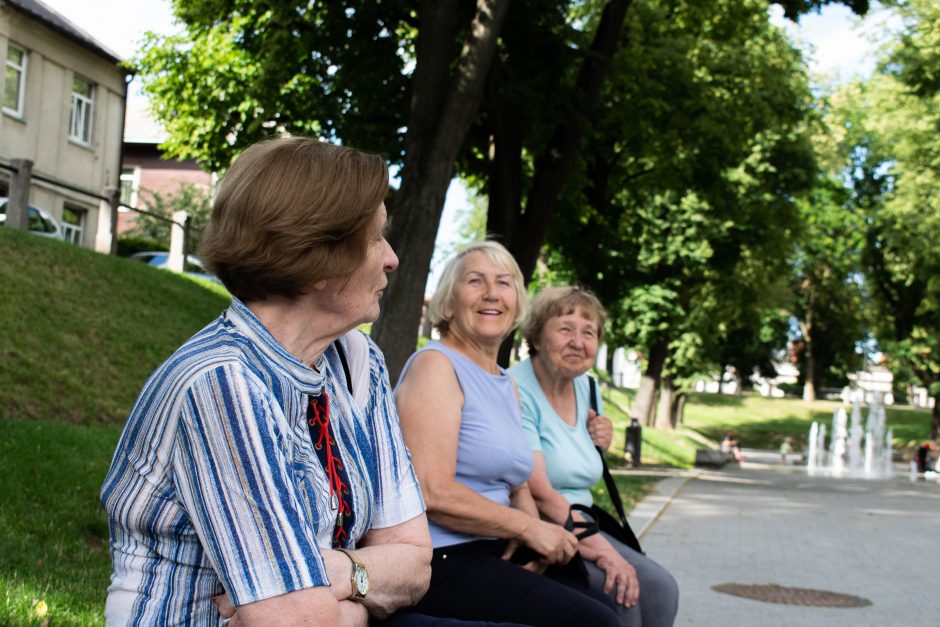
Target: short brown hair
x,y
443,298
560,301
292,211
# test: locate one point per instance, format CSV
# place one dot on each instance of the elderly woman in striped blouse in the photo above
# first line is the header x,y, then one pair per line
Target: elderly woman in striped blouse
x,y
262,476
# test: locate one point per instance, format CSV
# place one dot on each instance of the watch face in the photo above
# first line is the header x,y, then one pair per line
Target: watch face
x,y
362,581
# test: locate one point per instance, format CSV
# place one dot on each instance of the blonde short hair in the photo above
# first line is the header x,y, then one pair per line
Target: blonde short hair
x,y
561,301
443,298
292,211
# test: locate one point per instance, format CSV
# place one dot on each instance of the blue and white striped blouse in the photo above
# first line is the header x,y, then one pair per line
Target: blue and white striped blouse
x,y
215,484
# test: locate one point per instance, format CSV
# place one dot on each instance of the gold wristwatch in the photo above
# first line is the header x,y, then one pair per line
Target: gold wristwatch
x,y
360,577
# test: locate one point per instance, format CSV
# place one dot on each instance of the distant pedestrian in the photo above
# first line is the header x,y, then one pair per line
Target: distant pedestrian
x,y
729,444
924,455
786,447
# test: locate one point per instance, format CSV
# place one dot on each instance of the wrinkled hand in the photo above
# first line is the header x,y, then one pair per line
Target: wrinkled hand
x,y
535,566
226,609
601,430
551,540
621,574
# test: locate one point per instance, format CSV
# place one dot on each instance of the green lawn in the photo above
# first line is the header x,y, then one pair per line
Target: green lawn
x,y
81,331
758,422
763,422
53,532
79,334
632,490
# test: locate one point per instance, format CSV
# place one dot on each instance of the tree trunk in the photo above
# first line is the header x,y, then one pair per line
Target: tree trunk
x,y
667,398
739,383
555,163
442,109
678,416
809,388
645,401
505,165
806,328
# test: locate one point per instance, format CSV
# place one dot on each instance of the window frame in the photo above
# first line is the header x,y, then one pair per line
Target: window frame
x,y
71,232
131,175
20,110
84,106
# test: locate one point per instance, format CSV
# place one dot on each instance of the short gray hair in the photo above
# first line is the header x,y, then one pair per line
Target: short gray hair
x,y
443,298
553,302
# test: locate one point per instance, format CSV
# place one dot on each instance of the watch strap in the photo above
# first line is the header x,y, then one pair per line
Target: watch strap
x,y
358,566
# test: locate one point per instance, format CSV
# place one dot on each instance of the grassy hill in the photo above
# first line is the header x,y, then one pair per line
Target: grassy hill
x,y
79,334
81,331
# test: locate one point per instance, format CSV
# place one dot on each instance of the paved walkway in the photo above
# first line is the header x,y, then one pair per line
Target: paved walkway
x,y
759,523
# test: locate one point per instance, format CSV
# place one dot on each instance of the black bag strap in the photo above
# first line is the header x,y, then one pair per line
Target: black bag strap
x,y
608,479
342,358
581,528
630,539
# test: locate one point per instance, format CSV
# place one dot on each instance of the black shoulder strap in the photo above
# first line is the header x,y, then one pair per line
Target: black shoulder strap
x,y
342,358
608,479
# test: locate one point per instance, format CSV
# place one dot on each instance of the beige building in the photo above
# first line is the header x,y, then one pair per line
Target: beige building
x,y
63,109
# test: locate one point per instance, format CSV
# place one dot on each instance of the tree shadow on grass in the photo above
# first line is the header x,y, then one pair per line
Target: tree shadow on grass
x,y
717,400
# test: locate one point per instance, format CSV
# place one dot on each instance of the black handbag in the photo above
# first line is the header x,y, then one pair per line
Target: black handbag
x,y
618,529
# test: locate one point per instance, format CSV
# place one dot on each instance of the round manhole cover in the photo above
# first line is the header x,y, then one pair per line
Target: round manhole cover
x,y
772,593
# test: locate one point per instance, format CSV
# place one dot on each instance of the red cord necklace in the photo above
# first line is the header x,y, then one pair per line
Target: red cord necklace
x,y
324,443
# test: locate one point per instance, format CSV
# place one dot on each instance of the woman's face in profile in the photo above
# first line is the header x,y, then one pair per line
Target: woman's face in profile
x,y
568,344
357,297
485,301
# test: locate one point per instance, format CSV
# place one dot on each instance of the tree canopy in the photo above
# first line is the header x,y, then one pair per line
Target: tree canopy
x,y
675,126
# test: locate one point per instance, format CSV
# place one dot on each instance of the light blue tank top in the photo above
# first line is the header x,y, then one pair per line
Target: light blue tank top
x,y
571,461
492,453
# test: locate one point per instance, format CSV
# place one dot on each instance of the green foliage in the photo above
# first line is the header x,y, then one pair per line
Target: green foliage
x,y
889,152
192,199
684,214
915,60
81,331
826,281
243,70
53,532
127,246
794,8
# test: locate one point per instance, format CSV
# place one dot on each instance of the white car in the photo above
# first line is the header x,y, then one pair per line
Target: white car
x,y
40,222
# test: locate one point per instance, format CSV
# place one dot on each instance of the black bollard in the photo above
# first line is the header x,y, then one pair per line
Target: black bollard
x,y
634,442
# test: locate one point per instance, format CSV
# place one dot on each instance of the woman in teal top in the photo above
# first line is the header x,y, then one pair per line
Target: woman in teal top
x,y
563,332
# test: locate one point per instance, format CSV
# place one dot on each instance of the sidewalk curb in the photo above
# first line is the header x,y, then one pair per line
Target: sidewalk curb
x,y
648,511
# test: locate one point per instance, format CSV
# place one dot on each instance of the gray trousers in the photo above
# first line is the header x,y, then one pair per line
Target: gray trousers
x,y
659,592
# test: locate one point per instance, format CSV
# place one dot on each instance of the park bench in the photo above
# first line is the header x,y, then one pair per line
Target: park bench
x,y
711,458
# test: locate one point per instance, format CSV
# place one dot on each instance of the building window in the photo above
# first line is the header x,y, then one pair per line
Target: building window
x,y
129,187
14,81
83,94
73,224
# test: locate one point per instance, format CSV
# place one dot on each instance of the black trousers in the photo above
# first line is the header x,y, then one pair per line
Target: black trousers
x,y
470,582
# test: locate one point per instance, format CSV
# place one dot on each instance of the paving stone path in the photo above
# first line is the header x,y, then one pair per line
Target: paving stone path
x,y
763,524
